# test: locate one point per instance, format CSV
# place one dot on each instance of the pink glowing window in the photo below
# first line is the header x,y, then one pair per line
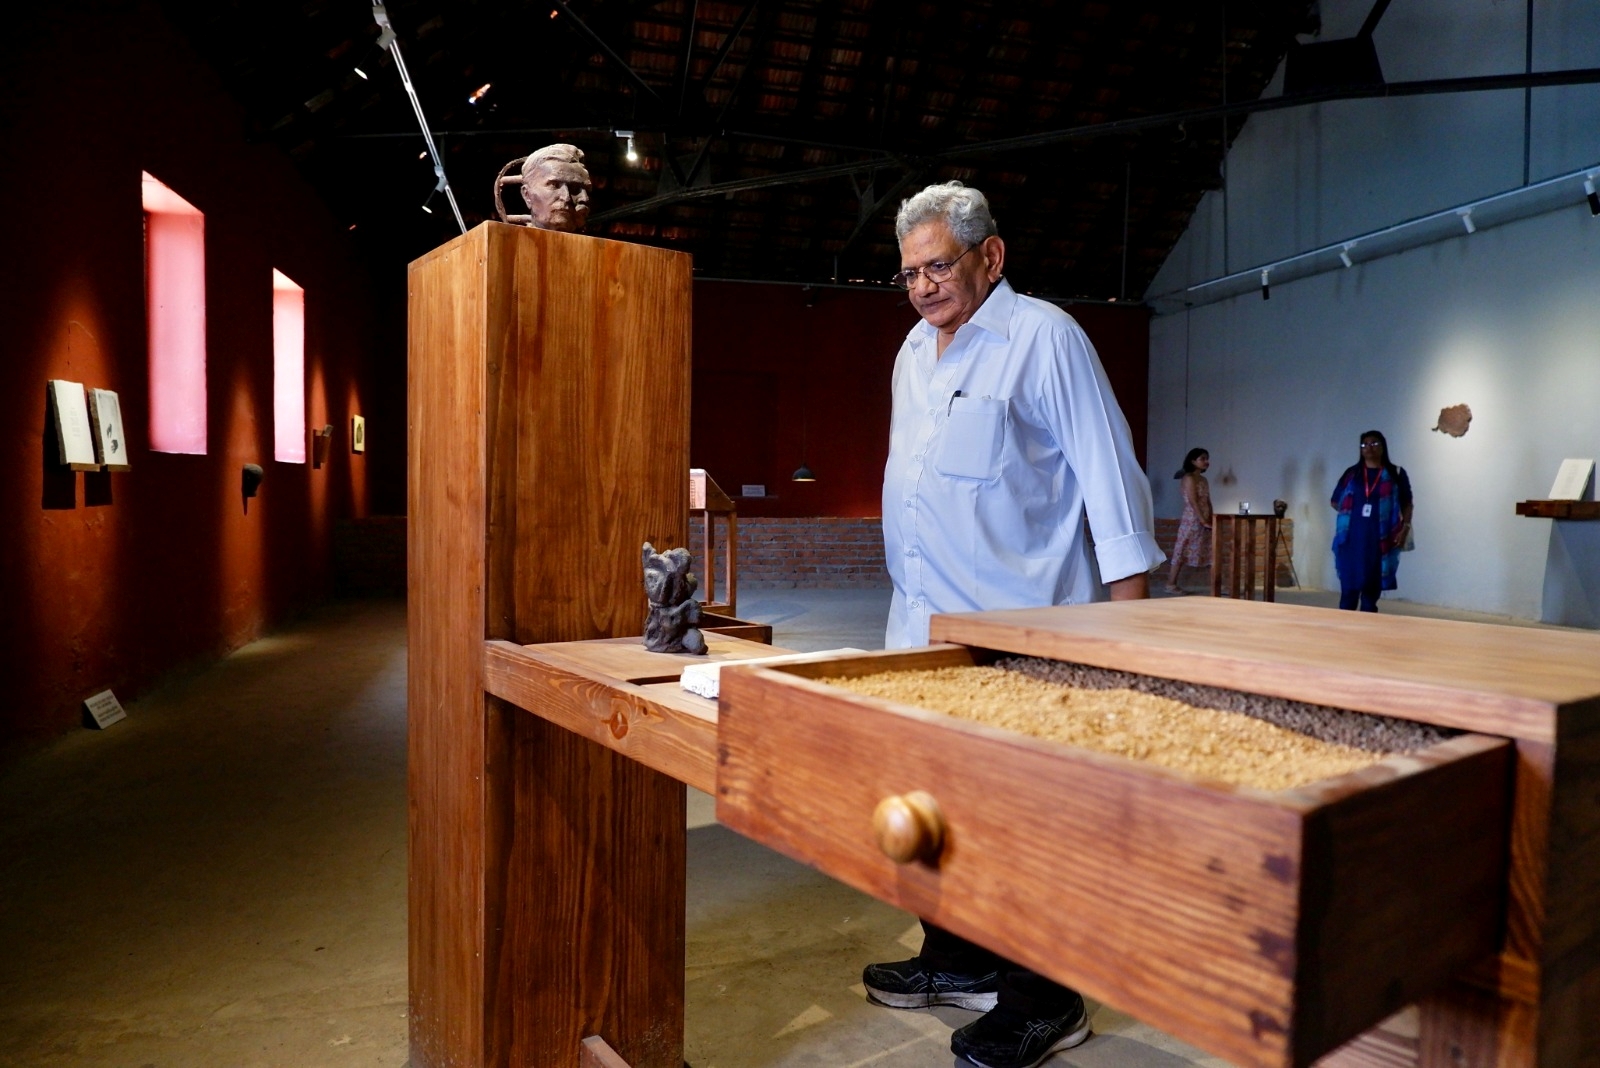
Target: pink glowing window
x,y
288,369
175,309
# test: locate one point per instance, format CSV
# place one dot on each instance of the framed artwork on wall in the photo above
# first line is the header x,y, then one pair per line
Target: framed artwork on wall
x,y
74,437
358,433
110,443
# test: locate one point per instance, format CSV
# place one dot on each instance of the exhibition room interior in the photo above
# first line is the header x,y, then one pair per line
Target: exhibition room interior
x,y
1282,225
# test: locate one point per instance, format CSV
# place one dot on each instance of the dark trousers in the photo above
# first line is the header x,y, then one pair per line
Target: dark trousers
x,y
1367,595
1024,992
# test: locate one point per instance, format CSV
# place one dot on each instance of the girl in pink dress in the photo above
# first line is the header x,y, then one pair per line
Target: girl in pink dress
x,y
1193,546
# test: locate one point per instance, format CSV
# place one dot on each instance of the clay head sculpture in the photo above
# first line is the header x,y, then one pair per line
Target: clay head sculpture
x,y
555,186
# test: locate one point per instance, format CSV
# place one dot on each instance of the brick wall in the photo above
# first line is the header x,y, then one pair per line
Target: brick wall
x,y
1167,533
820,551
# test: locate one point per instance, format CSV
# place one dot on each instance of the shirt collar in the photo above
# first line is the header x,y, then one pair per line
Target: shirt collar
x,y
993,315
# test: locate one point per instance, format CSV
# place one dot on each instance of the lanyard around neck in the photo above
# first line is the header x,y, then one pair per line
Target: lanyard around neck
x,y
1375,483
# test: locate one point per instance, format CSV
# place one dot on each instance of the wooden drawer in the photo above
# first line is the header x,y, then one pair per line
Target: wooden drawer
x,y
1264,927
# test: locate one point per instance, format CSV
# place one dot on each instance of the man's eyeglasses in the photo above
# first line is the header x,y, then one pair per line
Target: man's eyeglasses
x,y
935,272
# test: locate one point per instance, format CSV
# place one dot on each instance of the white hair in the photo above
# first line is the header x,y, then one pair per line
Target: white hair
x,y
553,154
965,211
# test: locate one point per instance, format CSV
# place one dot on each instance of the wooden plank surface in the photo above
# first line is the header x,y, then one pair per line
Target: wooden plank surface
x,y
1180,902
593,941
627,660
588,429
449,732
1510,681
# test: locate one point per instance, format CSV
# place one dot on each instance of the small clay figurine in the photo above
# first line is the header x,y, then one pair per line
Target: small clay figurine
x,y
669,585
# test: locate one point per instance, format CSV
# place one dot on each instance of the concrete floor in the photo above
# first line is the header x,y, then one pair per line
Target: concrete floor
x,y
219,880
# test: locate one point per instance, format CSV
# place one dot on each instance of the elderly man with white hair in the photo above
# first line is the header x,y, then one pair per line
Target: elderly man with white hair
x,y
1005,437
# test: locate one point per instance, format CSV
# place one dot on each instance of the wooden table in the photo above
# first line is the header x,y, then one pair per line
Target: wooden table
x,y
1529,1004
1229,542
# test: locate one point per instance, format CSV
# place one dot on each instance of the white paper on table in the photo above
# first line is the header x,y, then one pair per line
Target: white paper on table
x,y
706,679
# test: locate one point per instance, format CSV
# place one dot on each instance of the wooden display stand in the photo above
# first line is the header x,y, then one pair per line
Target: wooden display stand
x,y
719,505
1233,542
549,436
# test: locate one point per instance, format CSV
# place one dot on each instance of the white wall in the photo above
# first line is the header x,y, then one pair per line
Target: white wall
x,y
1506,320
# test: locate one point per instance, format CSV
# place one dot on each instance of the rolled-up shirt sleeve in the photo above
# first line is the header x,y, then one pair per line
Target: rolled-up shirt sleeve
x,y
1094,438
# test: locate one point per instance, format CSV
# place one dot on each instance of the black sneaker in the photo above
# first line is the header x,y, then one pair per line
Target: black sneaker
x,y
1007,1040
910,984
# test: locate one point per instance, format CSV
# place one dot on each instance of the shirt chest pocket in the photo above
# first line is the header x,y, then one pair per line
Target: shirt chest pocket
x,y
973,439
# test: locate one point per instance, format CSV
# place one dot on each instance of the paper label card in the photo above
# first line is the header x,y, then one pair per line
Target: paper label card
x,y
110,443
105,708
748,490
1572,480
697,488
70,408
358,433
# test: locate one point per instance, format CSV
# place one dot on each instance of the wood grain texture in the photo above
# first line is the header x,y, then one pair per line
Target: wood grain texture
x,y
549,393
594,935
1510,681
1392,1044
588,429
1197,907
1569,1004
674,732
447,746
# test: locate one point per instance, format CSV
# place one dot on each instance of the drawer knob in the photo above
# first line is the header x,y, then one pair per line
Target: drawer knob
x,y
909,827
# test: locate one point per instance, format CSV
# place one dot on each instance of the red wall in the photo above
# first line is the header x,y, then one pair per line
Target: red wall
x,y
785,375
110,580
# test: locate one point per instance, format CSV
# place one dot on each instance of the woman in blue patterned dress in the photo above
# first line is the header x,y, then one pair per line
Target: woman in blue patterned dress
x,y
1373,499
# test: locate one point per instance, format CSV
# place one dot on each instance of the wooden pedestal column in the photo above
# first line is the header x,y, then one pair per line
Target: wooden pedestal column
x,y
548,439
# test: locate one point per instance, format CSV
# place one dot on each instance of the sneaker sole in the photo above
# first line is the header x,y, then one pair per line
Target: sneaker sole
x,y
1066,1041
975,1002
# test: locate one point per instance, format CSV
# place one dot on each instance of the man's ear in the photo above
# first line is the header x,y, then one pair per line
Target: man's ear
x,y
994,257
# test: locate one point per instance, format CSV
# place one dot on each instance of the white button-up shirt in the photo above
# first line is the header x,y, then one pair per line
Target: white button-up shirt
x,y
997,453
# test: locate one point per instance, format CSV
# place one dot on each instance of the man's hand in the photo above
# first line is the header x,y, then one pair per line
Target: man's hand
x,y
1132,588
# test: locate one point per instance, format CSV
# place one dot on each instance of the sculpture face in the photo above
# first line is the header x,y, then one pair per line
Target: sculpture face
x,y
557,195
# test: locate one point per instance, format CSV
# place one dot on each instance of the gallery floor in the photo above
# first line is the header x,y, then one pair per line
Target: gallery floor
x,y
220,880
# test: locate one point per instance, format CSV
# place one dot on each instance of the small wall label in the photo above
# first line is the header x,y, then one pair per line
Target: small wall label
x,y
105,708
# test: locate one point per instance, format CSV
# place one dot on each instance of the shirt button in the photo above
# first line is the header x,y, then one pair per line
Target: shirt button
x,y
910,504
915,604
933,411
911,552
916,456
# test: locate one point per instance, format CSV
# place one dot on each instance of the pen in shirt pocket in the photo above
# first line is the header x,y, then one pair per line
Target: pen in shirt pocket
x,y
951,406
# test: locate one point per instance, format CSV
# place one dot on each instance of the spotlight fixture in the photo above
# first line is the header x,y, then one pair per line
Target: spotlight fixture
x,y
1466,220
425,203
1266,283
1594,198
1344,256
477,94
627,135
361,72
803,474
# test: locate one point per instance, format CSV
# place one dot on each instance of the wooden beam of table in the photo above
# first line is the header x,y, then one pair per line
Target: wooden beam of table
x,y
622,696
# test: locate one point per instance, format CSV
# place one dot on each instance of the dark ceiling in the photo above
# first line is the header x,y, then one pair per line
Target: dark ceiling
x,y
775,136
